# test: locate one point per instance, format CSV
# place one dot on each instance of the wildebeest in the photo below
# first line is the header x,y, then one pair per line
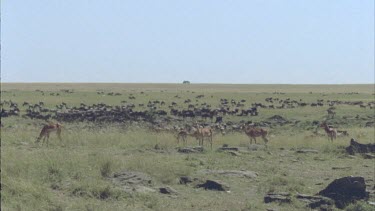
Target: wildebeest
x,y
219,119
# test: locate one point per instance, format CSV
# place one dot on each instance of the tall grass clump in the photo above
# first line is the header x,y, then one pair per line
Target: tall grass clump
x,y
106,168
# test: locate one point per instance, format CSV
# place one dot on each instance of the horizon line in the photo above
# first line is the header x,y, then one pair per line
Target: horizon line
x,y
205,83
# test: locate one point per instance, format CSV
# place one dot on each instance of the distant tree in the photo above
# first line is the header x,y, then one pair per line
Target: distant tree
x,y
186,82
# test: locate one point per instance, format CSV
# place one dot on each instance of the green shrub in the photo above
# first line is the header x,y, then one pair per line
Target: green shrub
x,y
106,169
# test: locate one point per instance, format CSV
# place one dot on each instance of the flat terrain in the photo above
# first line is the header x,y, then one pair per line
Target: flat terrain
x,y
79,173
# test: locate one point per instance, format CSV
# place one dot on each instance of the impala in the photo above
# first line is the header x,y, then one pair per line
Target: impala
x,y
47,129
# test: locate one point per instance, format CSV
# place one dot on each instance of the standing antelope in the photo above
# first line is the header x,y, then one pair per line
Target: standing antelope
x,y
200,133
331,132
253,132
47,129
182,134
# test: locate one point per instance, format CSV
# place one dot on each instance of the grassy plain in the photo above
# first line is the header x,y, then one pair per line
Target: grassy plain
x,y
72,175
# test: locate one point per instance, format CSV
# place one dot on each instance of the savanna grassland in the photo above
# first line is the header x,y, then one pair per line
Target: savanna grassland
x,y
75,174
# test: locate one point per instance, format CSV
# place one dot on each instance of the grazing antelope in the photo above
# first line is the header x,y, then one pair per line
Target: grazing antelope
x,y
47,129
331,132
253,132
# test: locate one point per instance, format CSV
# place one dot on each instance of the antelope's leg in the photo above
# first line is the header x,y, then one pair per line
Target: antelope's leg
x,y
255,140
47,139
38,139
59,134
265,139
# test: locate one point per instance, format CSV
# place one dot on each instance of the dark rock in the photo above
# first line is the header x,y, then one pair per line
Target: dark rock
x,y
307,151
132,181
370,124
356,147
156,147
346,190
368,156
315,122
319,159
185,180
342,168
277,197
234,153
131,177
190,150
229,149
316,201
213,185
276,119
167,190
270,209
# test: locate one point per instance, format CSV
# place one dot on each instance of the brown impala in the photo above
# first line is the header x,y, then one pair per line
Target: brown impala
x,y
200,133
331,132
254,132
47,129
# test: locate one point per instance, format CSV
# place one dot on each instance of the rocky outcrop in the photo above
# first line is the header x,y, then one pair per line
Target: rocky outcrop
x,y
214,185
356,147
346,190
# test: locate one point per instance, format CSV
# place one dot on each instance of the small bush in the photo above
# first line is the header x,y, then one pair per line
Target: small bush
x,y
80,192
279,181
54,174
106,169
103,194
106,193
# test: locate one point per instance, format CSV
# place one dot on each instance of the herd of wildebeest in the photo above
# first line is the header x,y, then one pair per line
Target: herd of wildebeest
x,y
190,117
194,117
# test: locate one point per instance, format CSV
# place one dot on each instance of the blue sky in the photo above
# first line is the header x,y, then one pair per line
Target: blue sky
x,y
210,41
